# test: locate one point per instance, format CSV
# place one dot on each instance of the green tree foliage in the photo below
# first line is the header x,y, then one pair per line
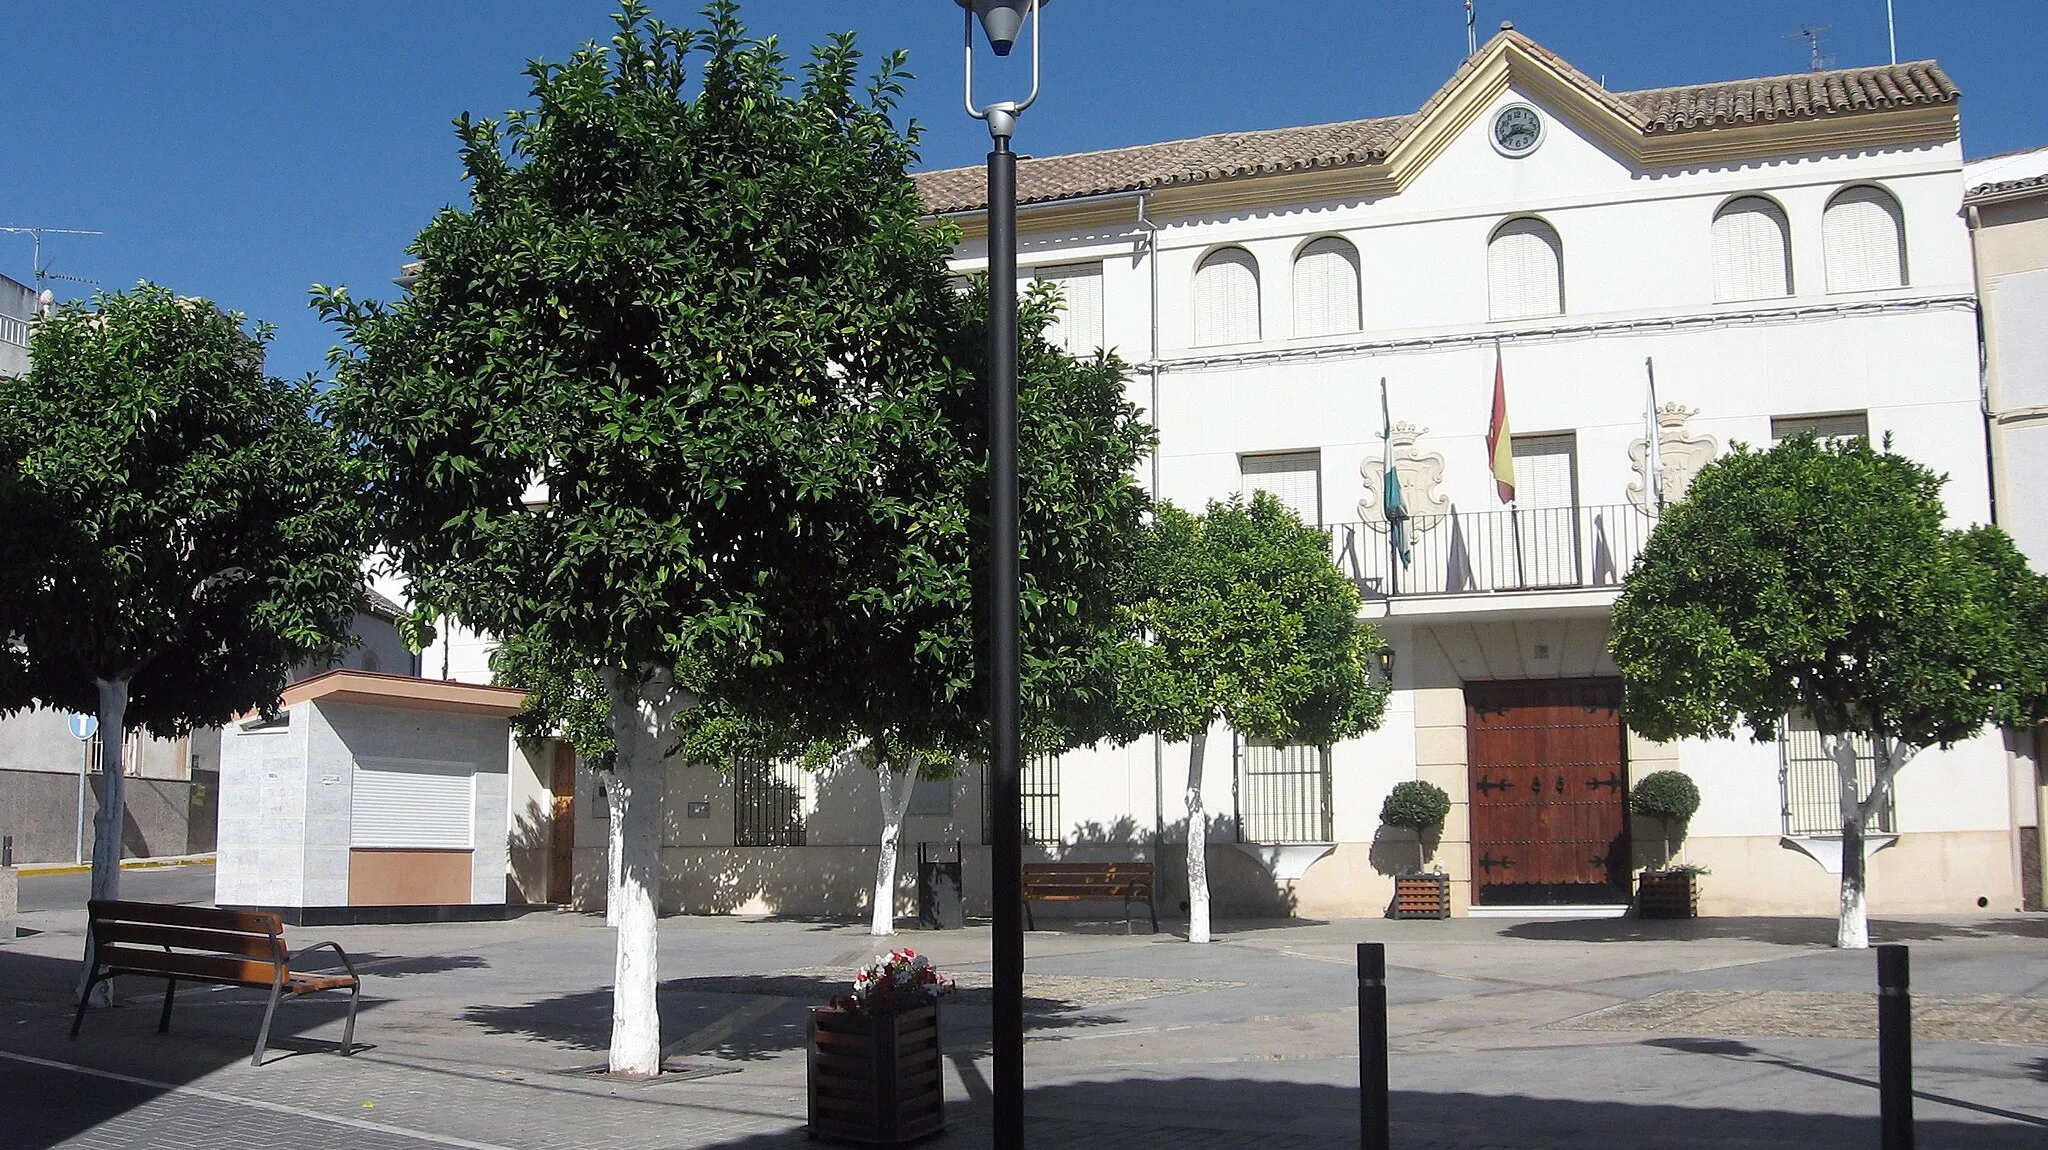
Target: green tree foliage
x,y
1415,805
1670,796
1248,621
1818,577
179,531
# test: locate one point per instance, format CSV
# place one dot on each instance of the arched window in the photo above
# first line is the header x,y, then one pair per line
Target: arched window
x,y
1752,250
1866,241
1227,297
1326,288
1525,270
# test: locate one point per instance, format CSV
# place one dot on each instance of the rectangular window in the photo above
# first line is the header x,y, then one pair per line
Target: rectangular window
x,y
1283,793
1295,477
1078,327
421,803
1039,782
1839,425
768,804
1810,782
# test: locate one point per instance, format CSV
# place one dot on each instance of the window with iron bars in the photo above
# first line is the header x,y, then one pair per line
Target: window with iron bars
x,y
1039,782
1810,783
1283,792
767,804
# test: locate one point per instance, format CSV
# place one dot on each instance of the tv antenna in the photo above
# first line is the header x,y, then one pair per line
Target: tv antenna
x,y
1811,34
1471,31
41,269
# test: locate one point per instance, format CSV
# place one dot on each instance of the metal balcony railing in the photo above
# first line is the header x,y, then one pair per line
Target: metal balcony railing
x,y
13,330
1514,549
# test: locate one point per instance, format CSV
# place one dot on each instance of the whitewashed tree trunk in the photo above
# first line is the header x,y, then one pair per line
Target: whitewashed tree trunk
x,y
1198,843
615,823
1852,931
113,813
895,787
643,713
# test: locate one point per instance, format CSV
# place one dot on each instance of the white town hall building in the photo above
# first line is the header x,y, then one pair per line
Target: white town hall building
x,y
1788,251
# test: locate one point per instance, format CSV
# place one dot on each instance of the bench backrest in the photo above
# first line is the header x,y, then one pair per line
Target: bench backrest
x,y
192,942
1075,879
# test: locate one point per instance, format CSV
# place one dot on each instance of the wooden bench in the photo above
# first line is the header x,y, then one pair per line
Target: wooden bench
x,y
1074,881
201,944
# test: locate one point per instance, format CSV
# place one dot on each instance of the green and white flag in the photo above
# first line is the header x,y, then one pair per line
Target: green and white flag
x,y
1390,496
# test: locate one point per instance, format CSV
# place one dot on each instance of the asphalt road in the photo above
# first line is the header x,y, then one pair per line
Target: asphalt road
x,y
188,884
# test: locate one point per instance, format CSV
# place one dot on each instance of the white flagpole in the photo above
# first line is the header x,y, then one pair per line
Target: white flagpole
x,y
1653,447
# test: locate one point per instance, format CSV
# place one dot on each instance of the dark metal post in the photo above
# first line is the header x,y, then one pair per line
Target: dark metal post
x,y
1894,1049
1006,809
1373,1124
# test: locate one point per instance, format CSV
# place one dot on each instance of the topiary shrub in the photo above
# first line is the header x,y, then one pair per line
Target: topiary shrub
x,y
1416,805
1668,795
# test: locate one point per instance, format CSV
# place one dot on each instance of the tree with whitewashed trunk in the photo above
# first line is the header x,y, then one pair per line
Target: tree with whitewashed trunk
x,y
1817,578
684,301
1247,621
177,531
899,685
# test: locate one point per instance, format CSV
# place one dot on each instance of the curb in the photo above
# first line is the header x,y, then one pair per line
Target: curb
x,y
126,864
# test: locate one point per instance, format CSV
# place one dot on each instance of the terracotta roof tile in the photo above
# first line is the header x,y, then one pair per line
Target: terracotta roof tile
x,y
1657,111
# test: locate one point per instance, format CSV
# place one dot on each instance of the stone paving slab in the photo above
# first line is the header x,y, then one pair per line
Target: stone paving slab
x,y
2004,1019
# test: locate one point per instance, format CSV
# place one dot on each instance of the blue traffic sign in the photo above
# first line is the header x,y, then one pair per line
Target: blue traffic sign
x,y
83,727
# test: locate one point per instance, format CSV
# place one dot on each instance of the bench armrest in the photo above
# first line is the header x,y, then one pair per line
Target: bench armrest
x,y
328,944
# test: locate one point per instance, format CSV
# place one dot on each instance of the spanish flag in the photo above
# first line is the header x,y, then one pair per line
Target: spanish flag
x,y
1500,447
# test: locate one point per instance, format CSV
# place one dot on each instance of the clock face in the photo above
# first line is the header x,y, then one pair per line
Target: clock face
x,y
1517,129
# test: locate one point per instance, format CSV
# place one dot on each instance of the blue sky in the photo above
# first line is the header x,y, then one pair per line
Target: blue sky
x,y
243,151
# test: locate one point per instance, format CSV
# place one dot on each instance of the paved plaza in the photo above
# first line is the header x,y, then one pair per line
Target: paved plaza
x,y
1748,1033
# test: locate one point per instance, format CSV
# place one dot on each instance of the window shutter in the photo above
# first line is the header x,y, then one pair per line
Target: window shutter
x,y
1227,298
1865,239
1525,271
412,803
1078,327
1295,478
1751,254
1326,288
1546,472
1844,425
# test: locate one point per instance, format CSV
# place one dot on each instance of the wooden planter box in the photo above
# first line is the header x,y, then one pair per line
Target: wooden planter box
x,y
1422,896
1667,894
876,1079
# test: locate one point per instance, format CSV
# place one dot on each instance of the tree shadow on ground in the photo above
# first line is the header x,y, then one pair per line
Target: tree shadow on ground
x,y
710,1016
1781,931
392,965
2038,1069
1230,1113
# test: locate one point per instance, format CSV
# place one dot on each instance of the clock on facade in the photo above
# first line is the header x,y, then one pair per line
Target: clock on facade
x,y
1517,129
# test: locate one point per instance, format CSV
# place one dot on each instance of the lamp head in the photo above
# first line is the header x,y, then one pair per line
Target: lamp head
x,y
1001,20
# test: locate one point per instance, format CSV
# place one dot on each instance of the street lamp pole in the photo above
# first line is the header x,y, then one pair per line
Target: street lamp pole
x,y
1002,21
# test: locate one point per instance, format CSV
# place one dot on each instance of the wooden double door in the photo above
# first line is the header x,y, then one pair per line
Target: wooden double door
x,y
1549,780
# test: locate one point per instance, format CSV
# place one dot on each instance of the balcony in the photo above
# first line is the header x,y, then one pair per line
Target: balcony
x,y
1492,552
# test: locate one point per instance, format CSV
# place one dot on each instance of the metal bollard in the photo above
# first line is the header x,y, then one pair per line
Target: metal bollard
x,y
1373,1125
1894,1049
6,850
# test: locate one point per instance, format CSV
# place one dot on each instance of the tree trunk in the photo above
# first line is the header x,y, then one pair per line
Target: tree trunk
x,y
895,795
1852,928
615,824
108,824
643,712
113,814
1198,843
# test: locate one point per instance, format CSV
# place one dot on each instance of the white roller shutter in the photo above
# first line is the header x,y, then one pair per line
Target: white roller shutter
x,y
1546,519
1326,288
1296,478
1865,238
1525,271
412,803
1751,255
1227,298
1078,327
